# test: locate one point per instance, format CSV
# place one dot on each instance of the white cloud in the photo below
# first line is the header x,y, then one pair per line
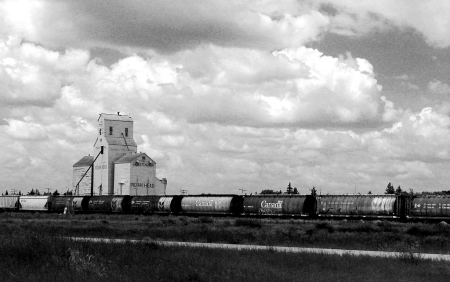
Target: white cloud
x,y
25,130
221,105
150,25
431,18
438,87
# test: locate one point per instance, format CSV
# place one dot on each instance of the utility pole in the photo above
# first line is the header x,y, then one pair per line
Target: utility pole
x,y
48,190
242,191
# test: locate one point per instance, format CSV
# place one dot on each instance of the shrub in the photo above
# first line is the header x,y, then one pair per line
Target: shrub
x,y
248,223
85,263
325,225
206,219
421,230
170,221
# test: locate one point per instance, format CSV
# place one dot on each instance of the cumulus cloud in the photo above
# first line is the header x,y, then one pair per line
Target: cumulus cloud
x,y
227,96
141,24
438,87
31,74
25,130
430,18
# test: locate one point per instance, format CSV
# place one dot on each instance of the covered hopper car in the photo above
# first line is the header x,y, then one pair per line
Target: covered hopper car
x,y
9,203
379,206
324,206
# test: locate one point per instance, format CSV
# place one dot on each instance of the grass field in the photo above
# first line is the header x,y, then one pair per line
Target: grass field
x,y
32,249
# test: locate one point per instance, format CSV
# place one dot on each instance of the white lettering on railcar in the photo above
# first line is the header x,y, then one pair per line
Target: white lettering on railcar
x,y
277,205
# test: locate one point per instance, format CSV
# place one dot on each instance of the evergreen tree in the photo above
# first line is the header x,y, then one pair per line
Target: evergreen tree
x,y
6,193
31,193
313,191
289,189
398,191
390,189
295,191
370,193
56,193
268,191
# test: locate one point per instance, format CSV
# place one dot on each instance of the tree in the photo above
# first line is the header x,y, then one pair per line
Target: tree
x,y
398,191
295,191
390,189
31,193
370,193
6,193
56,193
313,191
268,192
289,189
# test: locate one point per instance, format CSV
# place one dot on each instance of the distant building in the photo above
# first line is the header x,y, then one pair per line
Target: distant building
x,y
80,176
134,174
117,169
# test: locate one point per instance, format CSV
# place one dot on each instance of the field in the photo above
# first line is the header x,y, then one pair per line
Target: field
x,y
33,248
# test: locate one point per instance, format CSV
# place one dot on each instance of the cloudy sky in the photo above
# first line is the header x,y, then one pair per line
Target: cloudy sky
x,y
229,95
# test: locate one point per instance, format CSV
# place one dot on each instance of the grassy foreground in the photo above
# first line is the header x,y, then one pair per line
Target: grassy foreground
x,y
32,257
32,248
375,235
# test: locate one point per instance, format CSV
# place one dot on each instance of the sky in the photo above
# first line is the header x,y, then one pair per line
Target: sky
x,y
344,96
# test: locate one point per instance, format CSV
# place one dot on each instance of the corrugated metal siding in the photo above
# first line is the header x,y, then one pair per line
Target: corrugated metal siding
x,y
34,203
357,205
274,204
8,202
207,204
438,206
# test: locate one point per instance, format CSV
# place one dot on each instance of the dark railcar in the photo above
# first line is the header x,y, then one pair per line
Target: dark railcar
x,y
76,204
170,204
146,204
272,204
109,204
432,206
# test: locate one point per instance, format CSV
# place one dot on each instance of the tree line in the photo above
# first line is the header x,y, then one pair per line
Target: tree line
x,y
36,192
389,190
289,191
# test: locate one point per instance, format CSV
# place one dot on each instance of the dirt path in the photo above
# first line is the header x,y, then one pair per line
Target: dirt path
x,y
275,248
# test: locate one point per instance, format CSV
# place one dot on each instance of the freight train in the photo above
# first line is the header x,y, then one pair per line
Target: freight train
x,y
308,206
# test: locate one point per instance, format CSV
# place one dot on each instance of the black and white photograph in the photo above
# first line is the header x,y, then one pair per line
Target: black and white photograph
x,y
259,140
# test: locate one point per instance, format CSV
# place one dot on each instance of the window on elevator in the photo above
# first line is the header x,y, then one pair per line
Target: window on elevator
x,y
126,132
110,130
